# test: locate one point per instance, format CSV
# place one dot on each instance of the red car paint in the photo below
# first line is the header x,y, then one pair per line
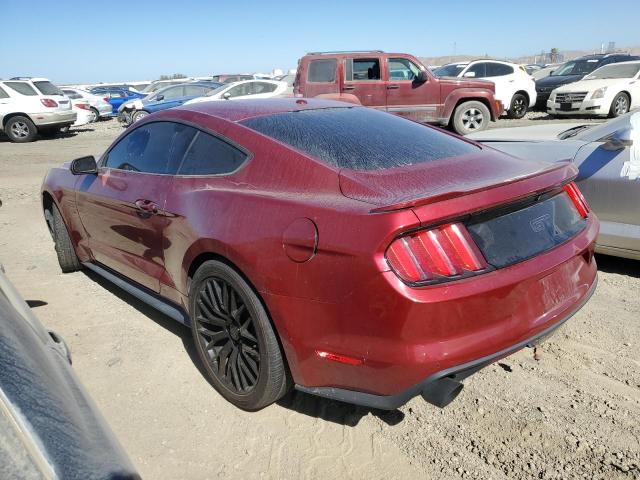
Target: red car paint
x,y
431,101
312,239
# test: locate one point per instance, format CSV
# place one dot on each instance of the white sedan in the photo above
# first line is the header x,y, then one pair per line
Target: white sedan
x,y
84,111
98,104
243,90
611,90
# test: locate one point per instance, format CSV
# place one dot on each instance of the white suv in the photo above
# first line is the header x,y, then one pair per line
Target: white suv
x,y
514,86
32,106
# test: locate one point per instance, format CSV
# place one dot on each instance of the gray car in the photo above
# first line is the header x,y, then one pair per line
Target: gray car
x,y
608,157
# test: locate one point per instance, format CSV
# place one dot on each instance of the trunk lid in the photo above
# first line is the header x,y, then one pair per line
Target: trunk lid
x,y
446,179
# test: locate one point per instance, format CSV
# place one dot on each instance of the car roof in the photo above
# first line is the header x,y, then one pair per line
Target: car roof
x,y
237,110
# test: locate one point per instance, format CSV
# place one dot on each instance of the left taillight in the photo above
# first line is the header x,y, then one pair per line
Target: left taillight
x,y
83,106
47,102
577,198
436,255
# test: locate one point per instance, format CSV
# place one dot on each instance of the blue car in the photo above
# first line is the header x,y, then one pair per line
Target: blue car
x,y
168,97
116,96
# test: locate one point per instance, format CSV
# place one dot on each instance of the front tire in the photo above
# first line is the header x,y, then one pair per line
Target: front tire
x,y
620,105
96,115
67,257
234,338
20,129
470,117
519,106
138,115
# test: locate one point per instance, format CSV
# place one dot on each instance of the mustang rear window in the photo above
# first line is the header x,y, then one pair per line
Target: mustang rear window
x,y
359,138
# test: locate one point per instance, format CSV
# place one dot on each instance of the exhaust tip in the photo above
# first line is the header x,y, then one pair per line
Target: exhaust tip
x,y
442,392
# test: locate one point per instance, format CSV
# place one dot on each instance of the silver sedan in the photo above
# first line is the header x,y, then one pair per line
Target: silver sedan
x,y
608,157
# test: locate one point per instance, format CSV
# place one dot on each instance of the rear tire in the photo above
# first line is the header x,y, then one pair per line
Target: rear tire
x,y
234,338
619,105
96,114
519,106
20,129
469,117
67,257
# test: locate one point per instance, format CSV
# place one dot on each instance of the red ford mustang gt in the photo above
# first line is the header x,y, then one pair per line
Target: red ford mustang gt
x,y
347,252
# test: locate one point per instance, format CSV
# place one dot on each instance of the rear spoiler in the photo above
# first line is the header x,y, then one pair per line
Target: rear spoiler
x,y
559,173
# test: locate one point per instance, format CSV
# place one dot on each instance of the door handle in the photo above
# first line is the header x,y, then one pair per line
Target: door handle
x,y
147,206
392,87
348,88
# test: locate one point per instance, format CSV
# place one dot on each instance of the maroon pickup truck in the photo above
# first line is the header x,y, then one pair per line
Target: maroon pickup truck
x,y
398,83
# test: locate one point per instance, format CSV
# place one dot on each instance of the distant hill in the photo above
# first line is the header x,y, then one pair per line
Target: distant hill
x,y
568,55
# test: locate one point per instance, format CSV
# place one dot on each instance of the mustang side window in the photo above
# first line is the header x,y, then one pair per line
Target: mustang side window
x,y
152,148
209,155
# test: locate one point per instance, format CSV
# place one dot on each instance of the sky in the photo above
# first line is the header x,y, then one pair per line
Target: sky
x,y
70,41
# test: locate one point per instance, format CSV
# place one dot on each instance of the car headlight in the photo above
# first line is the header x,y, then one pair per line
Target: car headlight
x,y
599,93
552,97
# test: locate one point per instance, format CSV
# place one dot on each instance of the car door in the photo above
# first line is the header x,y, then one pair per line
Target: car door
x,y
116,99
504,78
405,95
363,78
612,191
5,102
168,98
122,207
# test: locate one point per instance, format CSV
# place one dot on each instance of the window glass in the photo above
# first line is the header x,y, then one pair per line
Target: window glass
x,y
239,90
152,148
209,155
359,138
363,69
71,94
194,91
172,93
615,70
3,94
22,87
402,69
322,71
115,94
480,69
498,69
263,87
47,88
452,70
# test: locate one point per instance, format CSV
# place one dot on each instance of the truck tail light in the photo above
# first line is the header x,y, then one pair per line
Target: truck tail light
x,y
436,255
47,102
577,198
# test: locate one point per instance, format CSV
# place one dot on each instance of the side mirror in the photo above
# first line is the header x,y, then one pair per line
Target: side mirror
x,y
618,140
422,76
84,166
226,95
470,75
159,98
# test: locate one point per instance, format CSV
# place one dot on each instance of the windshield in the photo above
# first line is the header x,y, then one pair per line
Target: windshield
x,y
452,70
617,70
577,67
47,88
359,138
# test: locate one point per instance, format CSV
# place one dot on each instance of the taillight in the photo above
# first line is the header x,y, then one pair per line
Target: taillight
x,y
47,102
440,254
106,99
82,106
577,198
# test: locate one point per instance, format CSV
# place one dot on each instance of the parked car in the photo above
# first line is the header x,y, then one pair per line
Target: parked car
x,y
544,71
116,96
608,157
355,254
573,71
514,86
49,426
83,111
99,105
398,83
25,111
231,77
167,97
243,90
611,90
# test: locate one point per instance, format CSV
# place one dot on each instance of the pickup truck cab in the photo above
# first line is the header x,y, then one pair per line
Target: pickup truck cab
x,y
398,83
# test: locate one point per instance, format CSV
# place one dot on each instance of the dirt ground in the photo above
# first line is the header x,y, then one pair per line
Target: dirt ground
x,y
572,414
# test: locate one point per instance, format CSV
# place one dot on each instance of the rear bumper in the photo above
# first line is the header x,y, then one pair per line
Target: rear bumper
x,y
457,373
406,337
54,118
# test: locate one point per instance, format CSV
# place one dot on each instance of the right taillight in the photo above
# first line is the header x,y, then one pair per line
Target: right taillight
x,y
439,254
577,198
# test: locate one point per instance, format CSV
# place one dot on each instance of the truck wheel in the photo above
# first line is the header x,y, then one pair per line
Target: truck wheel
x,y
20,129
67,257
519,106
470,117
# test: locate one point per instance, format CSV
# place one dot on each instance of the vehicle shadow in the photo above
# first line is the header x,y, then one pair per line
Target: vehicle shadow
x,y
317,407
622,266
